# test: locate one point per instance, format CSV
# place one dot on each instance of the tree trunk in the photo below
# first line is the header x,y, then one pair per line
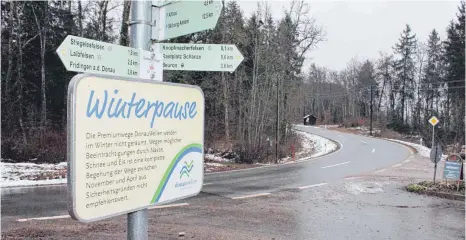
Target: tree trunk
x,y
9,72
41,29
19,80
124,24
80,19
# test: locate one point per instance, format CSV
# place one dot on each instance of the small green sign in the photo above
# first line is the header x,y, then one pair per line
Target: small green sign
x,y
185,17
200,57
90,56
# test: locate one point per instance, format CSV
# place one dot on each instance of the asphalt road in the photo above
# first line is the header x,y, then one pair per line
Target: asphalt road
x,y
357,155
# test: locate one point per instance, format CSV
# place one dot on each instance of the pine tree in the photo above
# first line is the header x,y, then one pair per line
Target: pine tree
x,y
455,78
432,74
404,67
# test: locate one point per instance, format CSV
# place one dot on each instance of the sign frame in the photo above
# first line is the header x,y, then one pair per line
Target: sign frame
x,y
71,152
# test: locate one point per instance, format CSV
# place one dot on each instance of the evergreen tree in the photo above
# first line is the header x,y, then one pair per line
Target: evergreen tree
x,y
455,78
405,67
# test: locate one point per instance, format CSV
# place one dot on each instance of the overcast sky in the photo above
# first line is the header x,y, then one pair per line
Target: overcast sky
x,y
363,28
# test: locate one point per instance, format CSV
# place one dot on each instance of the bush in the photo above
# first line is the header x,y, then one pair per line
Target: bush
x,y
48,147
399,127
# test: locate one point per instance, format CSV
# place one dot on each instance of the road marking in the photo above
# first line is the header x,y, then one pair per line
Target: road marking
x,y
363,142
313,185
251,196
43,218
373,150
334,165
37,186
170,205
381,170
205,184
397,165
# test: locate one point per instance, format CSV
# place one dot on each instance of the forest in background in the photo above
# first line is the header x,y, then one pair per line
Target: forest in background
x,y
421,78
417,80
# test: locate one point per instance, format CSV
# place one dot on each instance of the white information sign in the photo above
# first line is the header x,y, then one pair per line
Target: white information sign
x,y
132,144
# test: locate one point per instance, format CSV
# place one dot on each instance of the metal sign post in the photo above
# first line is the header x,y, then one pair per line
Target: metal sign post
x,y
140,26
435,149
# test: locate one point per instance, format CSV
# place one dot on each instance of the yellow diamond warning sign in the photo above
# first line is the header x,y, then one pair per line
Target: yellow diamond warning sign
x,y
434,121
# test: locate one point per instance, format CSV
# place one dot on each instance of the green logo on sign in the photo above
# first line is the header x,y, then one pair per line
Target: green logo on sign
x,y
186,169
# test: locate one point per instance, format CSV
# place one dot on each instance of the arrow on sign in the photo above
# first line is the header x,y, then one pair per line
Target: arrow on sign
x,y
85,55
200,57
185,17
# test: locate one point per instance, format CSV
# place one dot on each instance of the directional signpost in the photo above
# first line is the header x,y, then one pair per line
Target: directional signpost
x,y
184,17
136,153
200,57
89,56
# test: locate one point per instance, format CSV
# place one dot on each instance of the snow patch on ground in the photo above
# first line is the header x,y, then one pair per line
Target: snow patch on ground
x,y
320,145
213,157
213,164
358,188
421,150
30,174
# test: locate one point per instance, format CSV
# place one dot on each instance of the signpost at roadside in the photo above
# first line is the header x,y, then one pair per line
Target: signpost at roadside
x,y
200,57
135,143
144,151
184,17
435,156
89,56
436,151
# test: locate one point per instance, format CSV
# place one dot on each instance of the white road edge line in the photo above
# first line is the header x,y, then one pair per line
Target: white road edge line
x,y
338,164
68,216
363,142
313,185
397,165
43,218
381,170
205,184
170,205
373,150
250,196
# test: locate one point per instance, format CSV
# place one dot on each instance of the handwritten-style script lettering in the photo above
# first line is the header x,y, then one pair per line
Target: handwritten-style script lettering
x,y
117,107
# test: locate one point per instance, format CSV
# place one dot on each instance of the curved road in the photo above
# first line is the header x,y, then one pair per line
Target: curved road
x,y
357,155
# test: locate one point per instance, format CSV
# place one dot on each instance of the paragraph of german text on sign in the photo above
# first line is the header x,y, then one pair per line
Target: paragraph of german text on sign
x,y
117,163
